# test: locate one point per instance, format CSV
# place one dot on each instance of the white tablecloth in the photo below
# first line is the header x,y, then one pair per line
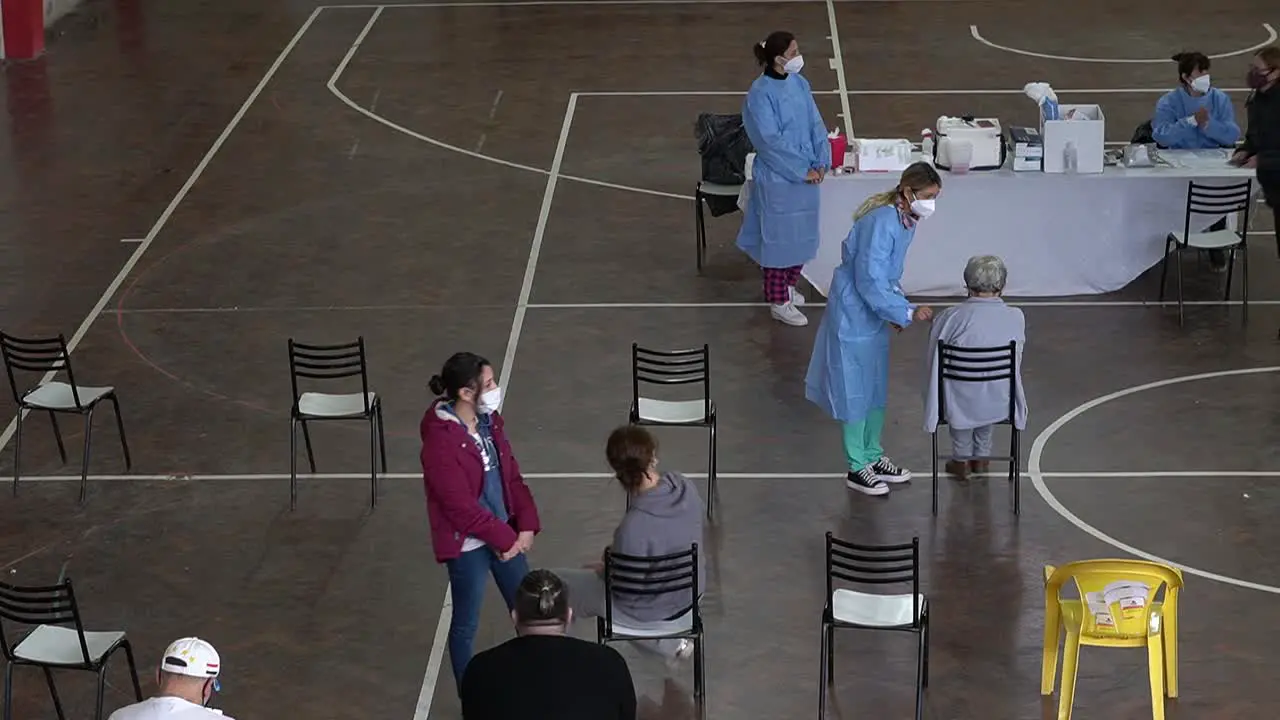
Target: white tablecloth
x,y
1058,234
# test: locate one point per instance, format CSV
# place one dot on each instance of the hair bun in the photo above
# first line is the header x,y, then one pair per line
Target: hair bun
x,y
436,385
1178,57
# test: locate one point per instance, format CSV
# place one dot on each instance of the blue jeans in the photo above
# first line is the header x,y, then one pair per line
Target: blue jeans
x,y
468,574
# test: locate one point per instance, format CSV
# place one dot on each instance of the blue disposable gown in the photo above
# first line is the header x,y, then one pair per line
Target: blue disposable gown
x,y
1173,126
849,371
780,223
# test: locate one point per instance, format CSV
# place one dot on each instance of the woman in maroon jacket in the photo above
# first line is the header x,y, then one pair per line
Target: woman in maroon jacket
x,y
482,515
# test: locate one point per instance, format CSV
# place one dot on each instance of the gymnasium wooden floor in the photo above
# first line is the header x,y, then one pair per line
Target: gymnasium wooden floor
x,y
191,184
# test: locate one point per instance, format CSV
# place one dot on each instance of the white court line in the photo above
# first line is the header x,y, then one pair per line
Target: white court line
x,y
837,64
417,476
1037,476
973,30
333,88
940,303
134,240
554,3
943,302
145,245
987,91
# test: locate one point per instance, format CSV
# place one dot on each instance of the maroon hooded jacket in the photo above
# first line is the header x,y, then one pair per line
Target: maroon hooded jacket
x,y
453,474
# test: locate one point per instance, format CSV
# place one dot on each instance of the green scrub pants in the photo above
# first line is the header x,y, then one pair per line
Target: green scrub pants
x,y
862,440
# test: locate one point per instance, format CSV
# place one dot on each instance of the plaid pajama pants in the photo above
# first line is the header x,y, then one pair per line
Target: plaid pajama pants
x,y
778,283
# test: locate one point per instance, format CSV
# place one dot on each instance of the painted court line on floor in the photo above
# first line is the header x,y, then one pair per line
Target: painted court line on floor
x,y
417,476
973,30
950,91
181,195
662,305
837,64
571,3
1038,476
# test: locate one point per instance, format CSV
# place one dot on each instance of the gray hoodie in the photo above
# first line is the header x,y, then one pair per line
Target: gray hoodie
x,y
664,520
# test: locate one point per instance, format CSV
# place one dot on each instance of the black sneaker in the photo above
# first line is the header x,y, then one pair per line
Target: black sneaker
x,y
866,482
886,471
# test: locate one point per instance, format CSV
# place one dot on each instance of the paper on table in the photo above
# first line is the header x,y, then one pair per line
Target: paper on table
x,y
1195,159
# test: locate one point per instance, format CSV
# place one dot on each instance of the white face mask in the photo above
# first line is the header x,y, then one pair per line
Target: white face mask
x,y
794,65
923,208
489,401
1201,84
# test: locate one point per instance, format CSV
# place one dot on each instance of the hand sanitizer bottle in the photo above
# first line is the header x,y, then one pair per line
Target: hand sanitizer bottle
x,y
1069,158
926,145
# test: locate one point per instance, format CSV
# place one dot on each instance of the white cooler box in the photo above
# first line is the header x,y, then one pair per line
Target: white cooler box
x,y
983,136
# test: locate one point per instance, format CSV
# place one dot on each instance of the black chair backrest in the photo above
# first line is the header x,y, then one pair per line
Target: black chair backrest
x,y
38,355
1218,200
1144,134
328,362
46,605
977,365
875,565
671,367
638,576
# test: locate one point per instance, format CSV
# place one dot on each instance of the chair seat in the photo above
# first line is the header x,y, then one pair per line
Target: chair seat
x,y
682,624
677,412
1209,240
328,405
867,610
57,645
707,188
58,396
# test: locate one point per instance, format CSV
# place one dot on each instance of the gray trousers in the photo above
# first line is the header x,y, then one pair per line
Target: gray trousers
x,y
972,443
586,597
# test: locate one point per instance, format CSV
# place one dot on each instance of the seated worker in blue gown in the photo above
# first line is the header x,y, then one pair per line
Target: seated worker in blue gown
x,y
1196,116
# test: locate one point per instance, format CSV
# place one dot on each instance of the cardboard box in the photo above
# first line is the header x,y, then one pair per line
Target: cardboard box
x,y
1087,133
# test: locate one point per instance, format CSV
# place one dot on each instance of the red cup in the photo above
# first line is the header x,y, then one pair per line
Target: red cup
x,y
839,146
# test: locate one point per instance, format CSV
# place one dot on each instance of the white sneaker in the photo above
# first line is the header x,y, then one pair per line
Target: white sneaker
x,y
796,298
787,313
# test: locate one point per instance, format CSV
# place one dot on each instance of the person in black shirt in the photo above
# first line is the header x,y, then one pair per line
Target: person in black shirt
x,y
1261,147
542,674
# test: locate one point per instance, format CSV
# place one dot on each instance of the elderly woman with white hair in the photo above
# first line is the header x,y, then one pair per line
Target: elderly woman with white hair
x,y
974,408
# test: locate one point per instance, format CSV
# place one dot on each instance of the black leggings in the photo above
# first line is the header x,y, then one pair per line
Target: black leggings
x,y
1269,179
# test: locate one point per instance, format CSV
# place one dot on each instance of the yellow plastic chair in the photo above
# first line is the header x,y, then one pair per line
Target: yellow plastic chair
x,y
1117,607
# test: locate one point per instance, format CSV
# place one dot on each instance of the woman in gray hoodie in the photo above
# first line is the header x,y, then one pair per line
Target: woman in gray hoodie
x,y
664,516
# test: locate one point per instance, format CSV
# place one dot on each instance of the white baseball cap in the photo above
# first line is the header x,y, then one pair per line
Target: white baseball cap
x,y
192,657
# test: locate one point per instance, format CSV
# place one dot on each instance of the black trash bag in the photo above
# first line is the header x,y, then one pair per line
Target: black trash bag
x,y
723,146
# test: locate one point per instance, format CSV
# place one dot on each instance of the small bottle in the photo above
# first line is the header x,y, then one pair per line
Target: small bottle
x,y
1069,158
926,145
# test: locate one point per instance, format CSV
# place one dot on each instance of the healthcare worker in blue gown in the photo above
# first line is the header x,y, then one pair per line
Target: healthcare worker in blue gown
x,y
780,222
849,372
1196,116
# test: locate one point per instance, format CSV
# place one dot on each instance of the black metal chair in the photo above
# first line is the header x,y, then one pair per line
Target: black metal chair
x,y
873,565
676,367
1217,201
701,196
328,363
57,640
980,365
50,356
635,576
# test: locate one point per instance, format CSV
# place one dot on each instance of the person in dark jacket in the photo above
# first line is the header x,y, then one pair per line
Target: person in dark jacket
x,y
664,516
482,514
542,674
1261,147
